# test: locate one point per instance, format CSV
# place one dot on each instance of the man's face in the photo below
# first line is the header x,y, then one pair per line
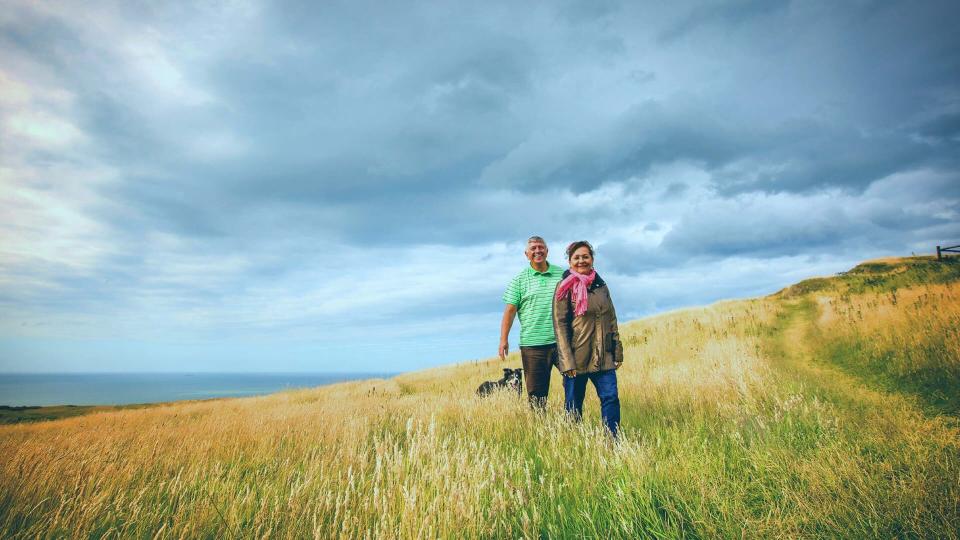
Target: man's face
x,y
536,252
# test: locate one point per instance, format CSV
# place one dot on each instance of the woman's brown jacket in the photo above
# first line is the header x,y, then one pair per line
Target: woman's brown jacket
x,y
590,342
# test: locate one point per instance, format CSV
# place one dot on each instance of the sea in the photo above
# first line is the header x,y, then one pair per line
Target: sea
x,y
36,389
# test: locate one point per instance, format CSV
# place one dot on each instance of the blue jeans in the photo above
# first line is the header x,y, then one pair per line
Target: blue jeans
x,y
575,388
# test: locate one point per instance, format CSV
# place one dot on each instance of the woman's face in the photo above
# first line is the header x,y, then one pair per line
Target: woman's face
x,y
581,261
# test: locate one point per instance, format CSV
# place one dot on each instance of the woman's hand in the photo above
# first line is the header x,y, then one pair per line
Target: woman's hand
x,y
616,365
570,373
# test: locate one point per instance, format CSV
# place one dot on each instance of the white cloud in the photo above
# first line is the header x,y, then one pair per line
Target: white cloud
x,y
45,130
156,75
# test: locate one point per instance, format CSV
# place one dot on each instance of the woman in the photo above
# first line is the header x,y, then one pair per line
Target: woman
x,y
588,340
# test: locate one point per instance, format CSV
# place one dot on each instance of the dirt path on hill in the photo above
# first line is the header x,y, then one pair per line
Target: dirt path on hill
x,y
790,352
789,347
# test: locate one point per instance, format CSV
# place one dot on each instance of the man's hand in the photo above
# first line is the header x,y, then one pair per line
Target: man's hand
x,y
504,349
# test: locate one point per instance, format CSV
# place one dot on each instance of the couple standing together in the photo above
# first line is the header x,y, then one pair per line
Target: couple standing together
x,y
567,319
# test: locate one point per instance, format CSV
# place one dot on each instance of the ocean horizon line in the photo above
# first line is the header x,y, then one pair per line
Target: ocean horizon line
x,y
128,388
201,372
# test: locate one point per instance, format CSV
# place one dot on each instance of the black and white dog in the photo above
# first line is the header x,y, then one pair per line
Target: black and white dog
x,y
511,380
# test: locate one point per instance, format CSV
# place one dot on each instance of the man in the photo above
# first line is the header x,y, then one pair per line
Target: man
x,y
530,296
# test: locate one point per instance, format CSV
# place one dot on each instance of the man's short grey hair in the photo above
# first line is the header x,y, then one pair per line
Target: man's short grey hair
x,y
534,239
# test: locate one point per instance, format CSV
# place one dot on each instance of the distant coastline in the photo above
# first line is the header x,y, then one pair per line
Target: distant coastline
x,y
18,390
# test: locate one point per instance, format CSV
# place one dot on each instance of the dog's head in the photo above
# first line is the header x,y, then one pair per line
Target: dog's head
x,y
511,377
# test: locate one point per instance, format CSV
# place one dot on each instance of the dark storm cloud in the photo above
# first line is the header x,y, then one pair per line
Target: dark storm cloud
x,y
357,105
804,155
729,14
942,129
643,136
314,130
794,155
896,212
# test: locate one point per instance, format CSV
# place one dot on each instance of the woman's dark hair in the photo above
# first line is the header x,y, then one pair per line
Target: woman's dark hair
x,y
577,245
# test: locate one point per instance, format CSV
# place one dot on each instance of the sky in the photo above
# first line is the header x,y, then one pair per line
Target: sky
x,y
348,186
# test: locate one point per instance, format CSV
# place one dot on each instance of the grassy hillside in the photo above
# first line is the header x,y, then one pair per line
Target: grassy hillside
x,y
16,415
826,410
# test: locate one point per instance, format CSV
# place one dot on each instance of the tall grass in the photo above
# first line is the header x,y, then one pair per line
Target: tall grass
x,y
729,430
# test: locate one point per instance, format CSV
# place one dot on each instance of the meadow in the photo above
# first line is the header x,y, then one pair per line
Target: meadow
x,y
827,410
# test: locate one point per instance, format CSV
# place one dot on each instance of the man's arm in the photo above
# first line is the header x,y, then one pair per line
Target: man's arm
x,y
509,312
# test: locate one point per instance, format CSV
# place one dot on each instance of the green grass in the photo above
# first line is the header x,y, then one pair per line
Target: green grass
x,y
880,277
906,272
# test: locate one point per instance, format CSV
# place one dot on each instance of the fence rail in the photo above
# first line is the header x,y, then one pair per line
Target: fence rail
x,y
947,249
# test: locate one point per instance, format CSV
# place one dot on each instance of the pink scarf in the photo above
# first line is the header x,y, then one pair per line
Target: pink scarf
x,y
576,284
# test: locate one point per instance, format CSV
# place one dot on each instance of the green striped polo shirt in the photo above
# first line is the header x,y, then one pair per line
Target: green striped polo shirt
x,y
532,293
